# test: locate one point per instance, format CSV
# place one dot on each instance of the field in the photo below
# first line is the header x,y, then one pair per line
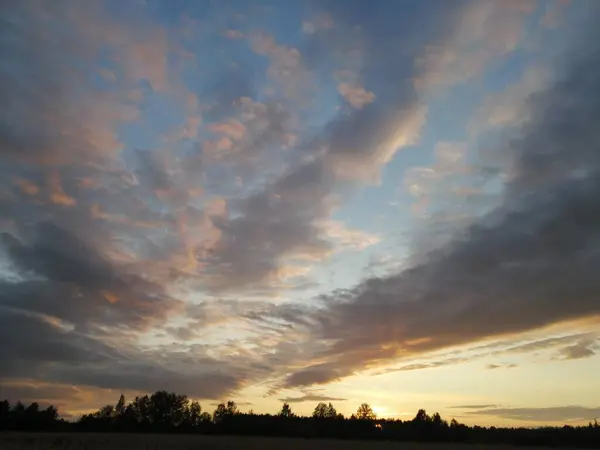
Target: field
x,y
73,441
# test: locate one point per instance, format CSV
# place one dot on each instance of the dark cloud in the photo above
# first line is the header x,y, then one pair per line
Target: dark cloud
x,y
43,394
40,341
74,282
527,264
182,333
312,398
580,350
314,375
71,401
50,350
152,171
146,376
553,414
501,366
271,228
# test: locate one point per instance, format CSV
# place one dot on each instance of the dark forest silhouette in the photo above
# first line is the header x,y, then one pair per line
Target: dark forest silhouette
x,y
164,412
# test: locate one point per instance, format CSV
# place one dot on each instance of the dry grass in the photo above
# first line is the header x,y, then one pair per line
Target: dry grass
x,y
73,441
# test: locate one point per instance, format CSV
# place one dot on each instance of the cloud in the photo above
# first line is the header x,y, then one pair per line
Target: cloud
x,y
473,406
508,272
258,133
27,186
552,414
317,374
107,360
426,365
64,261
545,343
74,317
487,30
501,366
347,238
357,96
232,128
319,23
583,349
312,398
509,346
286,67
554,13
442,181
233,34
283,219
57,193
79,125
510,107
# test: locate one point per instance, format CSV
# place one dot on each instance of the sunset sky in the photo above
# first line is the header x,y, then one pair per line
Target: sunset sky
x,y
384,201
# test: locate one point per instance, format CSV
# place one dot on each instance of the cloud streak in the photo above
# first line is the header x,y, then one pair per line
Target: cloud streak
x,y
312,398
552,414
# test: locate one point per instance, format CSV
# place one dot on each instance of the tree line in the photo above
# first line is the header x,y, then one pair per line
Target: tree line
x,y
167,412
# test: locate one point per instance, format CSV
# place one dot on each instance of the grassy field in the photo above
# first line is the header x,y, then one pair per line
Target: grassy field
x,y
25,441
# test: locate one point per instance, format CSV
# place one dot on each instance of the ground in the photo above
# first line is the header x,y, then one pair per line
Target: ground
x,y
74,441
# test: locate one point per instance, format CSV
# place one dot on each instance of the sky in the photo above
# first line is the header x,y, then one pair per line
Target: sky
x,y
302,201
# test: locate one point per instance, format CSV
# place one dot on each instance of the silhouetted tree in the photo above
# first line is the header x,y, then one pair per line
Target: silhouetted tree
x,y
438,422
106,413
320,411
422,417
325,411
4,411
120,406
169,412
194,415
141,409
167,409
286,411
18,411
232,408
365,412
225,411
28,418
49,416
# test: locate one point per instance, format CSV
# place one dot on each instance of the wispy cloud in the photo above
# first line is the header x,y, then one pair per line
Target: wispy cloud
x,y
487,30
312,398
580,350
485,406
552,414
501,366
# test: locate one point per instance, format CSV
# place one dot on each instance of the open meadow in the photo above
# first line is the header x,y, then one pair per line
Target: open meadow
x,y
105,441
